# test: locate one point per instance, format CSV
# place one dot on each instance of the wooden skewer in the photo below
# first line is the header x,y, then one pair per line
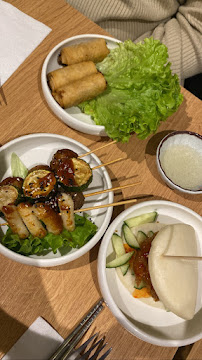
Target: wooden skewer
x,y
100,192
98,207
106,205
101,147
110,162
112,189
184,257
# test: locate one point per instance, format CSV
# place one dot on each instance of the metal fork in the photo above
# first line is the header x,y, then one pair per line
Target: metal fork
x,y
81,354
68,345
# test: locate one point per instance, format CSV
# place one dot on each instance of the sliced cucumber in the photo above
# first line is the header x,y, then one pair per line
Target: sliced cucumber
x,y
141,219
140,286
118,245
121,260
119,250
124,268
150,233
141,236
130,237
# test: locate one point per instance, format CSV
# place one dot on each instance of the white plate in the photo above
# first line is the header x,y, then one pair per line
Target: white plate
x,y
38,149
149,323
73,117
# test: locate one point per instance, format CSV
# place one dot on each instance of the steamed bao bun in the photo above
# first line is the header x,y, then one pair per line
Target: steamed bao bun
x,y
175,280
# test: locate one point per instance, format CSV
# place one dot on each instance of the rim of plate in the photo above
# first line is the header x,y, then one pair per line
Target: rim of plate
x,y
102,279
46,89
84,249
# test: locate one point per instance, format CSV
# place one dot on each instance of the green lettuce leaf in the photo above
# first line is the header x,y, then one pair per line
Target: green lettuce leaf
x,y
141,90
83,232
18,169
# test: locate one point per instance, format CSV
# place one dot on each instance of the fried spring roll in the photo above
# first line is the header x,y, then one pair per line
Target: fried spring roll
x,y
69,74
29,218
50,218
95,50
80,90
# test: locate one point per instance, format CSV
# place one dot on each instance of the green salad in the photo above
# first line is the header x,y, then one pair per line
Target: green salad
x,y
141,90
83,232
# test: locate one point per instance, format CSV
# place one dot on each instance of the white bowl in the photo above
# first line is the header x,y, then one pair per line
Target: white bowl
x,y
183,139
73,117
38,149
151,324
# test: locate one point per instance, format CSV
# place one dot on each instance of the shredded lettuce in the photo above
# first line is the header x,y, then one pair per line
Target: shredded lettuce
x,y
83,232
141,90
18,169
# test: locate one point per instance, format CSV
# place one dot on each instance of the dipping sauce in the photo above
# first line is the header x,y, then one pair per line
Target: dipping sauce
x,y
183,166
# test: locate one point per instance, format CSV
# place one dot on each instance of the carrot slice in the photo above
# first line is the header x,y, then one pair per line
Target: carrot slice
x,y
128,248
141,293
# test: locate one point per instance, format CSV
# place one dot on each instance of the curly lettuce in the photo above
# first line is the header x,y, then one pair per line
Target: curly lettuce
x,y
83,232
141,90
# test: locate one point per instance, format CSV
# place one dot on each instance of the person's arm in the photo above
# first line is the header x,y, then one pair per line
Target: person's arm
x,y
183,36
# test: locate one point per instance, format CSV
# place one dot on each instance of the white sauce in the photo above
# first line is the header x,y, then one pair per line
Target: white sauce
x,y
183,165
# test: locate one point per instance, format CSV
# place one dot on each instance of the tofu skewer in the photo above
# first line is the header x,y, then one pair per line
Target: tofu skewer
x,y
31,221
66,206
15,221
50,218
26,218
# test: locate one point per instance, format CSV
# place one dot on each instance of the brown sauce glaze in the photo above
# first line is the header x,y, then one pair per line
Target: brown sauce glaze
x,y
65,172
39,167
140,266
60,156
14,181
42,187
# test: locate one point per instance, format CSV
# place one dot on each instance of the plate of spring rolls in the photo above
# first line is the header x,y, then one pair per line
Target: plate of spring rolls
x,y
46,183
69,77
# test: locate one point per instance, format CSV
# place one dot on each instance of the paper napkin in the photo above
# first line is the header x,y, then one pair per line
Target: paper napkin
x,y
20,34
38,342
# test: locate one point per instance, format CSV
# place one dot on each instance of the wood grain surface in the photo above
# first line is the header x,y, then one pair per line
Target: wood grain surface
x,y
62,295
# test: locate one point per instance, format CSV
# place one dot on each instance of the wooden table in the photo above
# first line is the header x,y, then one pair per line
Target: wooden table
x,y
61,295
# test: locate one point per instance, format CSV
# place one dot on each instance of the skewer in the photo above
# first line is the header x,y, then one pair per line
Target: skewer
x,y
184,257
110,162
97,193
106,205
112,189
97,207
101,147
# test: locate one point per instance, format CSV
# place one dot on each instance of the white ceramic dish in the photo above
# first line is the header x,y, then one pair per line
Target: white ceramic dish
x,y
73,117
38,149
146,322
180,138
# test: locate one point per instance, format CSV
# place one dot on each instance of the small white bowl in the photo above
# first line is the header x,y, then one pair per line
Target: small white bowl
x,y
37,149
183,140
150,323
73,117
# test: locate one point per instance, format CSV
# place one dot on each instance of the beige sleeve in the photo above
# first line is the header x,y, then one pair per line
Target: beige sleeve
x,y
177,23
183,37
